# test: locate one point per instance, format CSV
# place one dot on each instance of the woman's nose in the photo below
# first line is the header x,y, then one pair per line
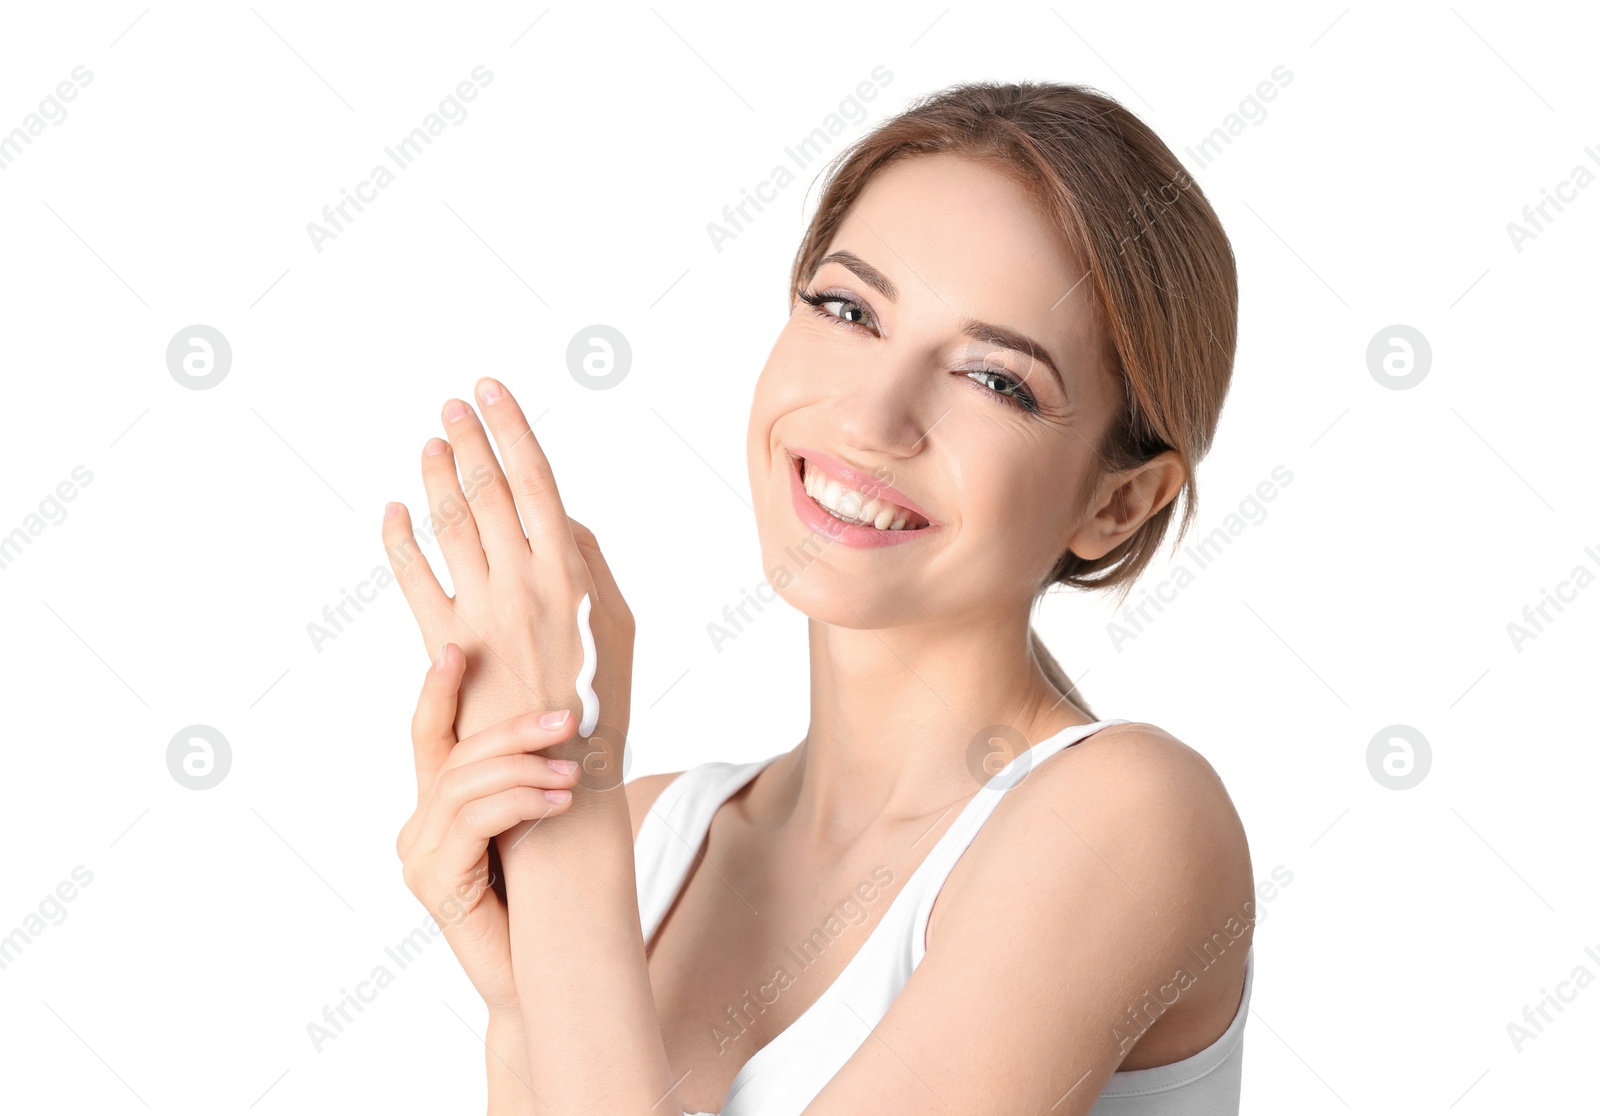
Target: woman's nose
x,y
891,406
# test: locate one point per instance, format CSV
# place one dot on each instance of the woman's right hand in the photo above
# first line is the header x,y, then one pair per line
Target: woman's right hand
x,y
469,792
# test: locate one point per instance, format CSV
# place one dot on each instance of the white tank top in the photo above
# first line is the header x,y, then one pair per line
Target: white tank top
x,y
785,1075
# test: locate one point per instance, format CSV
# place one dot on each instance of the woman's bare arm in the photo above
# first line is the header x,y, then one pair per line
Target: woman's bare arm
x,y
577,950
510,1092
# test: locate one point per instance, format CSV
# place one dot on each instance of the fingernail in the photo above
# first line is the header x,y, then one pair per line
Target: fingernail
x,y
436,446
438,664
564,767
455,409
489,391
554,719
557,796
390,510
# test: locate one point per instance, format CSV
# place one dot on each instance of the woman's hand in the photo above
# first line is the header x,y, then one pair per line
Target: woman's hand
x,y
517,595
469,791
516,618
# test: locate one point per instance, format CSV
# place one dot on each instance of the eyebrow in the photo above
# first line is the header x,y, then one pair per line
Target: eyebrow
x,y
986,332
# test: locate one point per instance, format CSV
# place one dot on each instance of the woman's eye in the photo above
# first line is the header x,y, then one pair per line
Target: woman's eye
x,y
1009,390
854,314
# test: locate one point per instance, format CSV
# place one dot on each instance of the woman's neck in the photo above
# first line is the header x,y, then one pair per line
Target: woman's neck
x,y
905,723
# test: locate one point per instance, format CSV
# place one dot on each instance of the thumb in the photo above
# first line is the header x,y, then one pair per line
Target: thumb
x,y
609,597
433,731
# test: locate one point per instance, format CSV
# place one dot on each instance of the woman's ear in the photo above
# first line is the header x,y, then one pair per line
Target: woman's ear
x,y
1124,501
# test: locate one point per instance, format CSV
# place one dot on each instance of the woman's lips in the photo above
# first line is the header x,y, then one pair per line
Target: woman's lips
x,y
849,477
814,516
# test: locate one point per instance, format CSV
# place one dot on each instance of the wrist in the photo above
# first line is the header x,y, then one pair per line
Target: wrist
x,y
505,1022
506,1055
600,755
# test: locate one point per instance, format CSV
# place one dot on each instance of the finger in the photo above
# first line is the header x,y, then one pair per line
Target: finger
x,y
433,731
453,524
609,596
485,818
533,483
460,786
522,733
428,601
488,496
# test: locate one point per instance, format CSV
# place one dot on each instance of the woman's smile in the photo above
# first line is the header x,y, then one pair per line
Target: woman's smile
x,y
849,506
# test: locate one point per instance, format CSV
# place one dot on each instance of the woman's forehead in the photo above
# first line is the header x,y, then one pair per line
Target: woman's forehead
x,y
942,217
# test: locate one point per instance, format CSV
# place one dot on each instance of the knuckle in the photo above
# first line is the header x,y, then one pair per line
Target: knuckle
x,y
477,816
470,816
535,480
484,491
450,516
575,585
449,784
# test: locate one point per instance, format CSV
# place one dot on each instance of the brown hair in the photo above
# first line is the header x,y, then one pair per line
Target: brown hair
x,y
1160,271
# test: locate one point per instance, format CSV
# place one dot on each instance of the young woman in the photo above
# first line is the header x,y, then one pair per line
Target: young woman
x,y
1011,332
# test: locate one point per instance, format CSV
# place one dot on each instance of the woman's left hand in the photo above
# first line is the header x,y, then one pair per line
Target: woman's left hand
x,y
517,595
470,791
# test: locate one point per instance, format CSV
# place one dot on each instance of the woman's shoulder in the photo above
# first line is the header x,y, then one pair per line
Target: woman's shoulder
x,y
642,794
1135,790
1134,764
1127,836
1138,760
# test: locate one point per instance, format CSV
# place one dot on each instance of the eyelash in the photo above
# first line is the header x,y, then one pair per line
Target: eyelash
x,y
1023,400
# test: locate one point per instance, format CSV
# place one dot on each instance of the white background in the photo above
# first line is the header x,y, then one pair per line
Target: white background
x,y
218,524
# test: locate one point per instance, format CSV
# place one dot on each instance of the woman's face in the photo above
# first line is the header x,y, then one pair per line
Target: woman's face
x,y
916,373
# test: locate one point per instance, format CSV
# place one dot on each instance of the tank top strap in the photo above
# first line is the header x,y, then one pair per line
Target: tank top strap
x,y
674,828
935,869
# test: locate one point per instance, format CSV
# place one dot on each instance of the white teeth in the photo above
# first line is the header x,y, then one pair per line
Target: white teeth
x,y
853,506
